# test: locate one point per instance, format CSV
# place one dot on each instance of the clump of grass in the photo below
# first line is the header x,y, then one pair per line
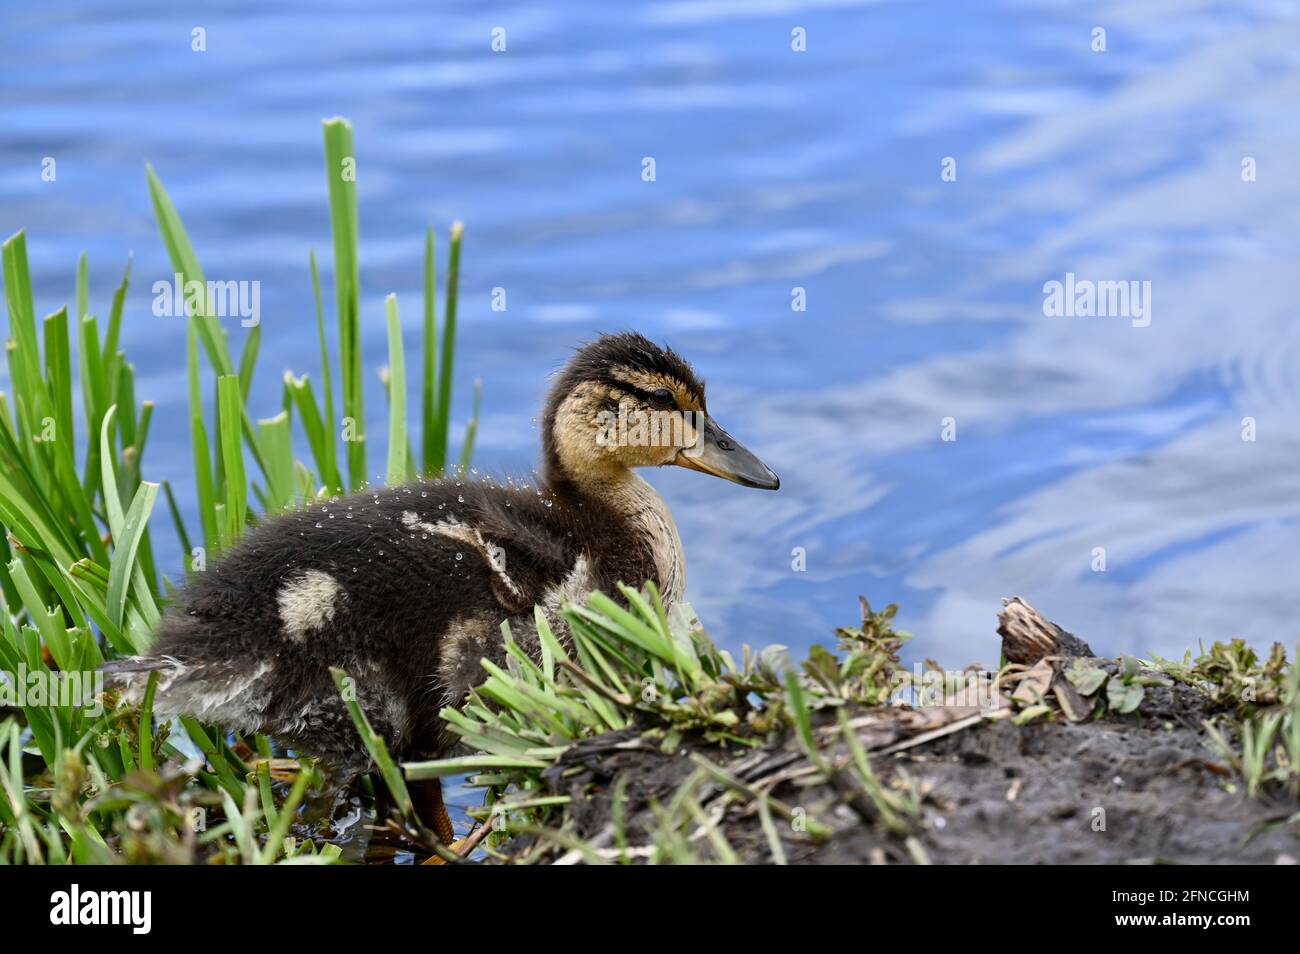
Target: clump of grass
x,y
1259,735
634,665
1235,675
864,670
1267,755
78,577
623,661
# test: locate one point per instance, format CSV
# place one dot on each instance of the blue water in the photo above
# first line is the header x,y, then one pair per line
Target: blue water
x,y
775,169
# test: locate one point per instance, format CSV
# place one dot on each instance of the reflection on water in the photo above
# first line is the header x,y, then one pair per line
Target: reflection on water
x,y
775,169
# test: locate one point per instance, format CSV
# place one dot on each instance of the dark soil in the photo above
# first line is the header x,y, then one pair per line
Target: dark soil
x,y
1120,789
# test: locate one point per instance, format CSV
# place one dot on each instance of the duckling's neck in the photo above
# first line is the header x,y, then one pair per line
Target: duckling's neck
x,y
633,499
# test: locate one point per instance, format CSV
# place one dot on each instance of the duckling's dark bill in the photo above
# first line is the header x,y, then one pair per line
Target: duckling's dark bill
x,y
720,454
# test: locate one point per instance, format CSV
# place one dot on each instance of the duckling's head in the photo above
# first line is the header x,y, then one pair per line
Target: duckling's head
x,y
625,402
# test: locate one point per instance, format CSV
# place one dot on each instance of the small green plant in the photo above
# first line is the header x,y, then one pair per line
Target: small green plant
x,y
1268,754
864,671
1237,676
1125,688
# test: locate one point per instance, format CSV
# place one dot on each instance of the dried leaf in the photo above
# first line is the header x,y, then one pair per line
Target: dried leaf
x,y
1035,684
1075,706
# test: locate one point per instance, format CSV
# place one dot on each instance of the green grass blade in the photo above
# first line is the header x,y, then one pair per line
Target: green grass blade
x,y
374,744
204,485
83,287
441,768
108,478
248,359
231,405
94,393
281,820
53,462
127,541
446,363
113,333
318,439
186,264
58,372
396,396
340,177
278,447
22,325
146,723
327,459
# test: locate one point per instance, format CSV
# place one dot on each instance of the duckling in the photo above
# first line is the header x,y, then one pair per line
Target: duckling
x,y
405,588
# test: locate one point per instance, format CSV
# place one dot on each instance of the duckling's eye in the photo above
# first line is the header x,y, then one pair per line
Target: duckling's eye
x,y
662,396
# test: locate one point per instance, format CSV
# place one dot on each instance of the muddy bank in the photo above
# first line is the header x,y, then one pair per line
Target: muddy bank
x,y
1142,787
1051,772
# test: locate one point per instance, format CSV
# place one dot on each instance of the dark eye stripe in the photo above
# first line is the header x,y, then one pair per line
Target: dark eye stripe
x,y
646,397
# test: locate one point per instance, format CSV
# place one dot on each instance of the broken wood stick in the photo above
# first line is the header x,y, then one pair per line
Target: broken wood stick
x,y
1028,636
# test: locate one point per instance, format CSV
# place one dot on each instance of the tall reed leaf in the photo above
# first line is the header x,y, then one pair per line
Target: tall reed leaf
x,y
341,177
445,367
396,396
